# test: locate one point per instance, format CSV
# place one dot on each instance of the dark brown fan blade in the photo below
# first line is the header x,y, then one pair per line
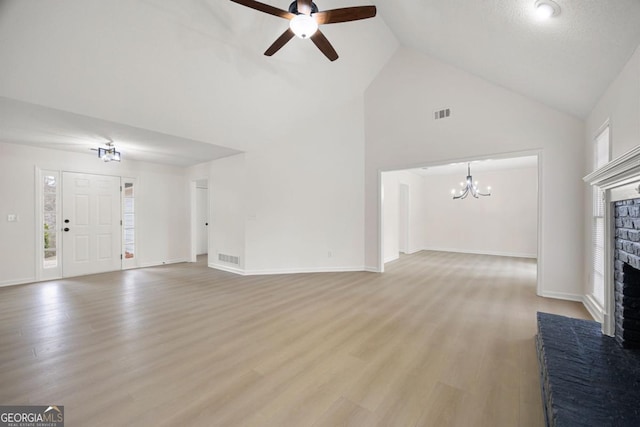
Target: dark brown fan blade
x,y
266,8
323,44
281,41
304,6
346,14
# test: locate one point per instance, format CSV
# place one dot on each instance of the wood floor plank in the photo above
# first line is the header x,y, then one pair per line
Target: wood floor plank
x,y
439,339
344,413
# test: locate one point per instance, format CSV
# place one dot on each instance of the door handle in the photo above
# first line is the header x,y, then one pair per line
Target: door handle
x,y
66,229
206,223
66,221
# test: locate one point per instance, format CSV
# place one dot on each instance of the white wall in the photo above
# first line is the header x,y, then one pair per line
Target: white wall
x,y
486,120
227,201
17,196
505,223
305,196
295,205
620,106
161,206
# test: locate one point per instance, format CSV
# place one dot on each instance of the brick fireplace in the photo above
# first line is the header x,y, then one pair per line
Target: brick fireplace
x,y
620,313
626,267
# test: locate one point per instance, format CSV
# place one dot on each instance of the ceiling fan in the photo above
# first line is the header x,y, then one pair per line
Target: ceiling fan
x,y
304,19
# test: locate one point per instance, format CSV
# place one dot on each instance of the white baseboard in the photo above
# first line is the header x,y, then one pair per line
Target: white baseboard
x,y
593,307
15,282
371,269
228,269
268,272
303,270
392,258
477,252
157,263
562,295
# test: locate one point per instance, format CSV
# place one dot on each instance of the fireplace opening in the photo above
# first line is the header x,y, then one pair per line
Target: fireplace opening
x,y
628,307
627,273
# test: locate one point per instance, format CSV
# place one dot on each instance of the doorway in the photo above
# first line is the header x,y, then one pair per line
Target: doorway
x,y
403,219
499,225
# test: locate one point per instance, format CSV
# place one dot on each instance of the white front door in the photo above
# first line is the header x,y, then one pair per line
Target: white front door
x,y
91,238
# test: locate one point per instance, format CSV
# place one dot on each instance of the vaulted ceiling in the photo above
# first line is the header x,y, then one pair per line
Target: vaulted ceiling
x,y
194,69
565,62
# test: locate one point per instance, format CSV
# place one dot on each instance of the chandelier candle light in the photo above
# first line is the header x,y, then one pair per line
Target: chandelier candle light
x,y
469,187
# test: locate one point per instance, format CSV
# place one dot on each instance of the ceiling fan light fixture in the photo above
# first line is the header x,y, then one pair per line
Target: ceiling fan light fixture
x,y
304,19
545,9
303,26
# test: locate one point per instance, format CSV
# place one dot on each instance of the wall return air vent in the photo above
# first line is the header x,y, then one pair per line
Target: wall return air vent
x,y
229,258
442,114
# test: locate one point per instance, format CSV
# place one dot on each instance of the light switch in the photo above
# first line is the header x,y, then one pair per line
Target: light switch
x,y
12,218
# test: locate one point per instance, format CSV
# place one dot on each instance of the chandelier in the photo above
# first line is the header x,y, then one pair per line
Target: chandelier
x,y
469,187
109,154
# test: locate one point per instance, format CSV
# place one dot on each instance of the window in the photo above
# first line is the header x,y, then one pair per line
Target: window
x,y
129,249
50,217
601,157
129,221
48,237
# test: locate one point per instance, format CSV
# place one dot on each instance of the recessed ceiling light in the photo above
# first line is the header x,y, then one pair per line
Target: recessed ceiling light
x,y
545,9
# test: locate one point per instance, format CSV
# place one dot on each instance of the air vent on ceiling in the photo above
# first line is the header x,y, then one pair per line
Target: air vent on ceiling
x,y
442,114
229,258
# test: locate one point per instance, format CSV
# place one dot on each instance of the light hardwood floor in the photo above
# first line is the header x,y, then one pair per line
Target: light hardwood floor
x,y
440,339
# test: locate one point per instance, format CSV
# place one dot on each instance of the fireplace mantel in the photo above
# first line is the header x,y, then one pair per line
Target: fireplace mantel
x,y
620,180
620,171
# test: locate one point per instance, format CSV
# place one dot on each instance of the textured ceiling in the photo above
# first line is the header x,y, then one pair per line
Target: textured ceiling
x,y
195,69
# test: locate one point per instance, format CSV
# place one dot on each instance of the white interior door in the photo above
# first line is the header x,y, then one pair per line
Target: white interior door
x,y
202,207
91,235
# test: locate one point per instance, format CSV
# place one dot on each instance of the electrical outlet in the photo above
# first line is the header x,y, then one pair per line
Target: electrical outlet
x,y
12,218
